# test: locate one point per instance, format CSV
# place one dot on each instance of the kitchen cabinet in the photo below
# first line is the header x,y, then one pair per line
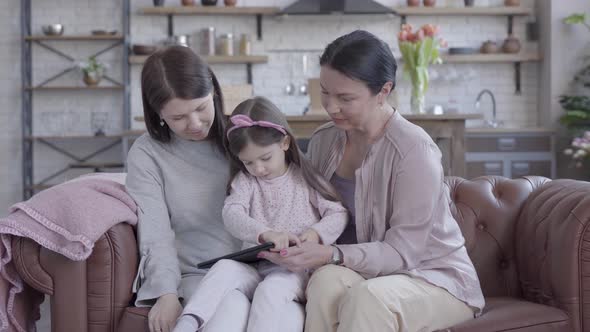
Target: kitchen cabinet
x,y
510,152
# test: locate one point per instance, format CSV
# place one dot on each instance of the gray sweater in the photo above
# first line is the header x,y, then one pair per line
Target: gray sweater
x,y
179,188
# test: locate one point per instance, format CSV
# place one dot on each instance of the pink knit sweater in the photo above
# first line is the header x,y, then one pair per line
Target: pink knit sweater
x,y
283,204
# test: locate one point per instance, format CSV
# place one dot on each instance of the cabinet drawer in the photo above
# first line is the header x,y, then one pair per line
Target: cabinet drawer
x,y
522,168
481,168
508,144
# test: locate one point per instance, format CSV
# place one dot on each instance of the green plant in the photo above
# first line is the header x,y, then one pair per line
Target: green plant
x,y
577,112
92,66
577,18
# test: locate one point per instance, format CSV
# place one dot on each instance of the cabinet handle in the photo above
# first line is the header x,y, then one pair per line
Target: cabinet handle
x,y
521,168
493,168
506,144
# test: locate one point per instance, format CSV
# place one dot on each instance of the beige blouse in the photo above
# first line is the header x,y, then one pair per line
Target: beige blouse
x,y
403,220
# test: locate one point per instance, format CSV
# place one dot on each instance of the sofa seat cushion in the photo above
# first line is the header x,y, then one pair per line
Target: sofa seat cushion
x,y
511,314
134,320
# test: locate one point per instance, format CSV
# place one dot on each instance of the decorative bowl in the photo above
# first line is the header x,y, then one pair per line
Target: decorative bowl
x,y
53,29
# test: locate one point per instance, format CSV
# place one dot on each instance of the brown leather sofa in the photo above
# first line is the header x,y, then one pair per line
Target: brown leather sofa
x,y
528,239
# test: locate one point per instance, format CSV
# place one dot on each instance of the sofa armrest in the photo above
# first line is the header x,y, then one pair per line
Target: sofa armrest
x,y
92,292
553,248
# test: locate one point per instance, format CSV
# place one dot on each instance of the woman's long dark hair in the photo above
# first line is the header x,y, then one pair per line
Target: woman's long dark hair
x,y
262,109
177,72
362,56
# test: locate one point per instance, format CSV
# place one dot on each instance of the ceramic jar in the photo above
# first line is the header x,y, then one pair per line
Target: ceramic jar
x,y
511,45
489,47
512,3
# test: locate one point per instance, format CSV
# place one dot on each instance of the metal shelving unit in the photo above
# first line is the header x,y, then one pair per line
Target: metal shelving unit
x,y
28,89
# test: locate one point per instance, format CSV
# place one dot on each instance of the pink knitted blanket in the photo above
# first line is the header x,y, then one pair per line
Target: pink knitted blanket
x,y
68,219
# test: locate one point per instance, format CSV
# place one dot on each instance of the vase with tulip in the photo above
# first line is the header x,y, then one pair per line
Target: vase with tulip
x,y
419,50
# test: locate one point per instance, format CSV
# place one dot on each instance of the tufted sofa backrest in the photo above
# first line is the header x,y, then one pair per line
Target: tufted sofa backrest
x,y
487,210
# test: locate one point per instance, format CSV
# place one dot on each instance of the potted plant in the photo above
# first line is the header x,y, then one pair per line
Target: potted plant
x,y
577,107
419,50
93,71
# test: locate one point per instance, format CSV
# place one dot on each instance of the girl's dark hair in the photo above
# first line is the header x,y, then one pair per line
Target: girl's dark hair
x,y
262,109
362,56
177,72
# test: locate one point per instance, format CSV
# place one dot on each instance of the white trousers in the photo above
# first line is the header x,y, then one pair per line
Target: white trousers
x,y
275,293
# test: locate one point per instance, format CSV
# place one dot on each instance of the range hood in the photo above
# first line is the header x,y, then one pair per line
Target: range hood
x,y
320,7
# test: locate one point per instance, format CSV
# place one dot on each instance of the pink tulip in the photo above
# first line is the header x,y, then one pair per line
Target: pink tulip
x,y
429,30
403,36
407,28
420,35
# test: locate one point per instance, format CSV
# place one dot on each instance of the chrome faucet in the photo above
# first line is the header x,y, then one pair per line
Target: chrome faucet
x,y
491,123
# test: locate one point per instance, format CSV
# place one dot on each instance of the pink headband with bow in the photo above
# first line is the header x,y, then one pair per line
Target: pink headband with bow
x,y
244,121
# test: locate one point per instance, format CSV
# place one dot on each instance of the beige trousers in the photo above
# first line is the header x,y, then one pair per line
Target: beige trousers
x,y
339,299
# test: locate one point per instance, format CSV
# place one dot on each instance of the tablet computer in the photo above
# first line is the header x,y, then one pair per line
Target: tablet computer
x,y
245,256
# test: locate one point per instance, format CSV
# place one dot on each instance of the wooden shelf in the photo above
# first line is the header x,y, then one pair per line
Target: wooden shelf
x,y
72,137
215,59
49,88
209,10
490,58
408,116
512,131
75,38
97,165
463,11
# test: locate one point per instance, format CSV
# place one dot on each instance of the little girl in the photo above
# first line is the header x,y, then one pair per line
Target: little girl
x,y
274,195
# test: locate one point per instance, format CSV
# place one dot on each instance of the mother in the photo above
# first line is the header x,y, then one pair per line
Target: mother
x,y
401,265
177,174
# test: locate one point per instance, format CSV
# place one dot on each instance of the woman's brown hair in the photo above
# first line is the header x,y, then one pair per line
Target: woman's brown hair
x,y
262,109
177,72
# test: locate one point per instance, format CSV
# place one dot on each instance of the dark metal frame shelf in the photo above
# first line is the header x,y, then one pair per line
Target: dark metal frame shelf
x,y
75,37
28,89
